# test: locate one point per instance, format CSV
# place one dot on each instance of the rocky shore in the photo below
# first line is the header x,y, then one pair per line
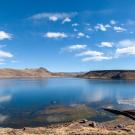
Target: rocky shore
x,y
120,126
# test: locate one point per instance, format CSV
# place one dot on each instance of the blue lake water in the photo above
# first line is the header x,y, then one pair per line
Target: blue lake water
x,y
37,102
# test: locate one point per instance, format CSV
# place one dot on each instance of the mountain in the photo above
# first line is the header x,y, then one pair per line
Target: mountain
x,y
43,72
110,74
39,72
34,72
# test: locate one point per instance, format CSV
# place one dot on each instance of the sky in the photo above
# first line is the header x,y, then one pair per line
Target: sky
x,y
67,35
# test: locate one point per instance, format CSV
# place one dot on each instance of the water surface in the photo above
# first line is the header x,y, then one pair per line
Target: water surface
x,y
37,102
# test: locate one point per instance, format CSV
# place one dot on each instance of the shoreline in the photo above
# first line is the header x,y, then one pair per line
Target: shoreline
x,y
120,126
44,73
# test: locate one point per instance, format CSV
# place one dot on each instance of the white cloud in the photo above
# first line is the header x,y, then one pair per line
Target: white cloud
x,y
53,16
4,35
125,47
67,19
77,47
87,36
113,22
126,43
90,53
119,29
55,35
108,26
106,44
4,54
93,56
100,27
96,58
127,50
75,24
80,34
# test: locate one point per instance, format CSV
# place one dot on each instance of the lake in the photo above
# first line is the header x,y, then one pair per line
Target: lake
x,y
39,102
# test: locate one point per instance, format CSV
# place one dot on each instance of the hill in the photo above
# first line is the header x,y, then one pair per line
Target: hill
x,y
110,74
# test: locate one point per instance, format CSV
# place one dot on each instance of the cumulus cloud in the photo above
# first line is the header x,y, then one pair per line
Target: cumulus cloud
x,y
55,35
67,19
119,29
5,35
76,47
126,47
100,27
127,50
80,34
107,26
113,22
53,16
4,54
91,55
126,43
106,44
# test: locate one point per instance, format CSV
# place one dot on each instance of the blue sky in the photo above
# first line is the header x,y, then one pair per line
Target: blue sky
x,y
67,35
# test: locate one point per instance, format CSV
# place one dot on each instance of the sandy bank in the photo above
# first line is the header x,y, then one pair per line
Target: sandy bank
x,y
121,126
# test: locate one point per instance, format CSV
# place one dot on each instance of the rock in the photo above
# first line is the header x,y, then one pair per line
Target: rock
x,y
24,129
83,121
93,124
127,130
120,126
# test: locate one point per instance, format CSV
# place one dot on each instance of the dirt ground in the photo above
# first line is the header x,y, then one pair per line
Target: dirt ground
x,y
120,126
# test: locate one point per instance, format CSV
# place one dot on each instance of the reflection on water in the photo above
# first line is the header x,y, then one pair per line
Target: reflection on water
x,y
33,102
130,101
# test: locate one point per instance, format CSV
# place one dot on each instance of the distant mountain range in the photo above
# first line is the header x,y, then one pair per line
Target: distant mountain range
x,y
43,72
110,74
32,73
